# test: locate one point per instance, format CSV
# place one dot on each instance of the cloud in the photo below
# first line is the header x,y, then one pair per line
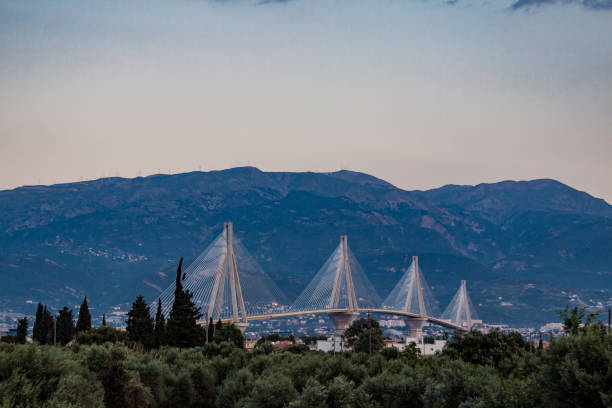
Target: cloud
x,y
589,4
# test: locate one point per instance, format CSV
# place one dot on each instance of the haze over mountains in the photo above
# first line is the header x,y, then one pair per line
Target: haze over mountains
x,y
526,248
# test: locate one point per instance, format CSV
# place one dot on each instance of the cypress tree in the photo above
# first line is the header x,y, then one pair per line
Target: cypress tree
x,y
182,329
103,319
65,326
540,343
211,330
43,325
37,325
160,326
140,324
84,321
22,330
46,328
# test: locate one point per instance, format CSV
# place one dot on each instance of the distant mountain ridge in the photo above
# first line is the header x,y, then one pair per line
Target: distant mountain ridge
x,y
504,197
534,244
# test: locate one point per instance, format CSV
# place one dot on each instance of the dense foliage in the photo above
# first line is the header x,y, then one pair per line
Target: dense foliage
x,y
101,335
364,335
573,371
108,367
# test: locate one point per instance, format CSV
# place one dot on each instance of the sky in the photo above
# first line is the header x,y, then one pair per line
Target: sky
x,y
421,93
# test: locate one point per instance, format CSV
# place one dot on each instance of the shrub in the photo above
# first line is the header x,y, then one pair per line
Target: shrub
x,y
101,335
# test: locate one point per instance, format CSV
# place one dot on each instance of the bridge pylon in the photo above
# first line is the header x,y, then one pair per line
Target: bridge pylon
x,y
412,295
226,269
214,281
340,288
342,320
461,311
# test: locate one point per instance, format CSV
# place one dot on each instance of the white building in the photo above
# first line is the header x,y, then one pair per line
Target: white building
x,y
334,343
552,327
424,348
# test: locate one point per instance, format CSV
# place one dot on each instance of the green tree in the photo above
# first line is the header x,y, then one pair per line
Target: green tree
x,y
231,334
122,386
65,326
577,320
235,388
22,330
455,383
540,344
160,325
84,320
494,348
211,330
101,335
140,324
358,336
272,391
37,324
341,393
313,395
43,325
35,376
576,371
182,329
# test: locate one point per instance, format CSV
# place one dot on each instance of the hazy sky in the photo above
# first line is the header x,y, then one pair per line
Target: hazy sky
x,y
420,93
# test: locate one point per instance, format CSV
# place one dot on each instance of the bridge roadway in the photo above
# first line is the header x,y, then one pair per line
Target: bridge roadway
x,y
434,320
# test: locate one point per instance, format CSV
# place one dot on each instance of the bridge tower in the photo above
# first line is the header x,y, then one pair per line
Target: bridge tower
x,y
343,279
339,289
412,295
415,324
461,311
226,269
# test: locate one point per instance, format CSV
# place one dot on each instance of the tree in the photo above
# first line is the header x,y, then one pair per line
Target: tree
x,y
22,330
84,320
573,320
313,395
43,325
101,335
140,324
231,334
103,319
211,330
182,329
160,326
47,326
274,390
65,326
540,344
37,322
575,371
486,349
358,336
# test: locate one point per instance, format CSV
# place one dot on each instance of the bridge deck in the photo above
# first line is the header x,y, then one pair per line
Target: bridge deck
x,y
434,320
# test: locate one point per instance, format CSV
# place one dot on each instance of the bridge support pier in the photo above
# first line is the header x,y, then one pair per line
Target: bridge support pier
x,y
342,321
415,326
241,326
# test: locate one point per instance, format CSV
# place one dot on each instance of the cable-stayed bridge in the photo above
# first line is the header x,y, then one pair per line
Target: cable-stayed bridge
x,y
228,285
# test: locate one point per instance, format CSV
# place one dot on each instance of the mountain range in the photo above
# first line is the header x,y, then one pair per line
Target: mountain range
x,y
526,248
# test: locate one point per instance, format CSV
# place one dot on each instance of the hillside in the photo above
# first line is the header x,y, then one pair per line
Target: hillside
x,y
534,244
